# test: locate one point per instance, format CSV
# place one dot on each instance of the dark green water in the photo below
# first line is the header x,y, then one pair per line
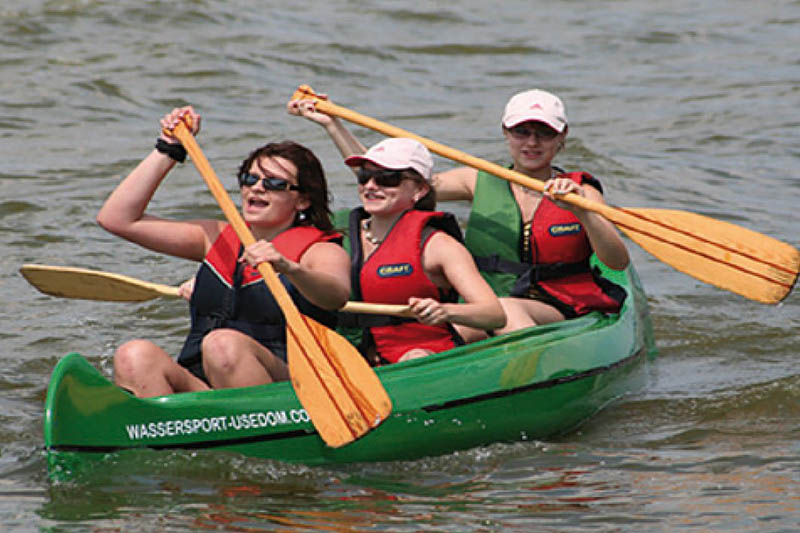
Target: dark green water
x,y
685,105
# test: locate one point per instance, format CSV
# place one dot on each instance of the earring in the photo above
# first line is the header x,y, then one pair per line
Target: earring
x,y
301,215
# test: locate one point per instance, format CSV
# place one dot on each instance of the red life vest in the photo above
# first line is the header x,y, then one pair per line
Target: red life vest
x,y
292,243
558,238
393,274
556,268
228,294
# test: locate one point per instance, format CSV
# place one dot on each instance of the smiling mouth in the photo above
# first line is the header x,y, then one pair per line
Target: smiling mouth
x,y
257,202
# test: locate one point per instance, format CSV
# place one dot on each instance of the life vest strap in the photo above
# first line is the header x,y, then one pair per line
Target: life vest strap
x,y
543,272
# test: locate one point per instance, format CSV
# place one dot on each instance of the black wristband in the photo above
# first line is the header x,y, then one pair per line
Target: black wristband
x,y
175,151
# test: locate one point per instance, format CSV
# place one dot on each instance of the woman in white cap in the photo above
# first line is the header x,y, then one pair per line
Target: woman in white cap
x,y
532,249
403,252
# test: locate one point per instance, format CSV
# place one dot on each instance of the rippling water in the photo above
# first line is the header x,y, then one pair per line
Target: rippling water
x,y
687,105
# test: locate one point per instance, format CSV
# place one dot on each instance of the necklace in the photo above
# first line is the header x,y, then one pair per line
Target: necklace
x,y
366,224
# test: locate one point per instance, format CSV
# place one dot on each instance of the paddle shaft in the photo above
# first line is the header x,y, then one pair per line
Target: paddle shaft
x,y
279,292
341,393
451,153
83,283
730,257
615,215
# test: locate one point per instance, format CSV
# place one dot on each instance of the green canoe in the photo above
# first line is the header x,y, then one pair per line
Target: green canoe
x,y
530,384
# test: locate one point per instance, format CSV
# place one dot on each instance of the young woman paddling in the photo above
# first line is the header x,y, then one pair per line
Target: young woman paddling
x,y
238,330
533,249
403,252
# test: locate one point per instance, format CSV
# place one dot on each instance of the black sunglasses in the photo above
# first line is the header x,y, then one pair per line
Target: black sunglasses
x,y
382,177
270,184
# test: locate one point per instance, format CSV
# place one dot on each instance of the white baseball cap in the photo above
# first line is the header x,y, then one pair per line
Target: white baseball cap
x,y
397,154
536,105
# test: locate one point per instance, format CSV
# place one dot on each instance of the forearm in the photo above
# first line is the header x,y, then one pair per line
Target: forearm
x,y
343,138
483,315
127,203
605,240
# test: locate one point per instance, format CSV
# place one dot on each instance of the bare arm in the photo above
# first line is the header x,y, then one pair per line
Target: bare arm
x,y
447,261
344,140
455,184
603,236
123,213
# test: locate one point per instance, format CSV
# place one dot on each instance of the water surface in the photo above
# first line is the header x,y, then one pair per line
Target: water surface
x,y
685,105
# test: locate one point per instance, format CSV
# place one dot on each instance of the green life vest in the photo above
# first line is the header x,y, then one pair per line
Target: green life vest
x,y
493,228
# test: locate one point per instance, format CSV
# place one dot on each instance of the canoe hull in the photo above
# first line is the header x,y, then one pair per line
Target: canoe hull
x,y
530,384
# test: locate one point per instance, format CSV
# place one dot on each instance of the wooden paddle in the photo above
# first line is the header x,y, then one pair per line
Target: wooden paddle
x,y
341,393
85,284
733,258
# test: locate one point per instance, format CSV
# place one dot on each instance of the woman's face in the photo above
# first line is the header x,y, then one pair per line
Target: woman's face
x,y
533,145
381,199
272,204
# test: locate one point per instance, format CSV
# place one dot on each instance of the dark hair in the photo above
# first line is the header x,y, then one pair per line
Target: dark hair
x,y
310,179
427,202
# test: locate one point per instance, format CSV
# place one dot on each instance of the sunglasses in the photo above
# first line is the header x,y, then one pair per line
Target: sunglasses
x,y
382,177
270,184
541,131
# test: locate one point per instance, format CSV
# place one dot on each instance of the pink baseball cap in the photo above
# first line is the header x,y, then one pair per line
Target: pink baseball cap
x,y
397,154
536,105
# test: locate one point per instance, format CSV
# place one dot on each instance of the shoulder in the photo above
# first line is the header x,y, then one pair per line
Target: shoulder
x,y
443,246
326,251
584,178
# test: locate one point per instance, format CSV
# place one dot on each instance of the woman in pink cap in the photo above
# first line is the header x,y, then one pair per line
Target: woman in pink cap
x,y
532,249
403,252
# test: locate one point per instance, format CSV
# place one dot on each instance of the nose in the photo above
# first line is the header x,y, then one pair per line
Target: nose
x,y
259,184
370,183
533,137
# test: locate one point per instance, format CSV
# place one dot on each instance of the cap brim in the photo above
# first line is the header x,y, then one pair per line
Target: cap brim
x,y
358,160
518,121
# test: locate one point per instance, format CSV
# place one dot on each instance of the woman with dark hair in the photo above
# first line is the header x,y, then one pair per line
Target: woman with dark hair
x,y
238,334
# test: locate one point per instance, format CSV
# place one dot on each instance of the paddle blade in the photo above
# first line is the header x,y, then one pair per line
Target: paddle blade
x,y
341,393
728,256
72,282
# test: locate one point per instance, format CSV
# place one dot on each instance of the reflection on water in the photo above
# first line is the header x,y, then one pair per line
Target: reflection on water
x,y
528,485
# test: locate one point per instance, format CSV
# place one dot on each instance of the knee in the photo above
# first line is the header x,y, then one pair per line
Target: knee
x,y
415,353
218,351
134,358
517,317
